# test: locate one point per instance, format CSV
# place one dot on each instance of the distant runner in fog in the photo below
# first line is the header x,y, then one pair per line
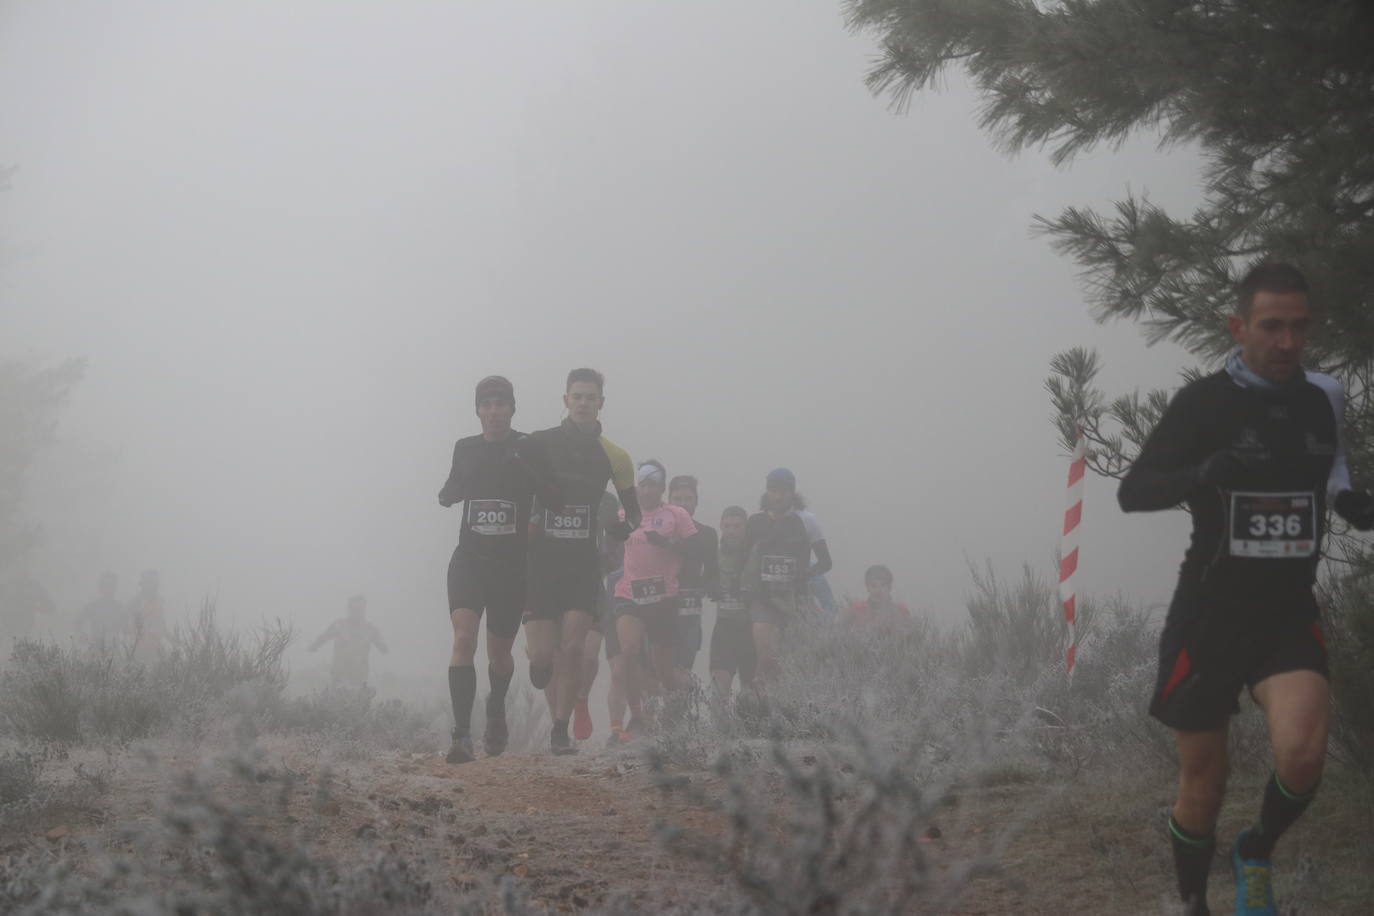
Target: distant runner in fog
x,y
1255,450
354,638
699,579
879,611
496,475
665,541
732,638
565,565
147,620
778,544
104,621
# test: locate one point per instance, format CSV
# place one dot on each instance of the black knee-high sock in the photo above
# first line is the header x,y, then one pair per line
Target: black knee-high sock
x,y
1278,811
1192,859
500,683
462,688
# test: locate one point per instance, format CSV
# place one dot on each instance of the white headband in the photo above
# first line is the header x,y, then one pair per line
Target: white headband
x,y
646,471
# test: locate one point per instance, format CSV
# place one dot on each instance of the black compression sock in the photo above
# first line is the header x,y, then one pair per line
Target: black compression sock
x,y
1278,811
462,688
500,683
560,728
1192,859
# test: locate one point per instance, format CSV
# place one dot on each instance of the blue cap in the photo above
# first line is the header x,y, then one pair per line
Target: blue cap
x,y
782,476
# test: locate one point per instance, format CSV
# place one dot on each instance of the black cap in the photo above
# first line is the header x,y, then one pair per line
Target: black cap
x,y
496,386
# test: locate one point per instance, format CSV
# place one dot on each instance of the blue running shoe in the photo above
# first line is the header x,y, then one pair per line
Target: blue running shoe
x,y
1254,883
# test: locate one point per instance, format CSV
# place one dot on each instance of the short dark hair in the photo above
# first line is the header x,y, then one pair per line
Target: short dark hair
x,y
735,512
586,375
878,573
1268,277
683,481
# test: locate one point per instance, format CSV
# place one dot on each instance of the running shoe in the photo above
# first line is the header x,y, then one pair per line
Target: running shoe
x,y
1196,906
561,745
582,721
497,734
460,751
1254,883
616,737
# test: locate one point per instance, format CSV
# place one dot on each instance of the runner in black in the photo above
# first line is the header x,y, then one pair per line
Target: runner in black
x,y
698,580
565,565
777,567
1255,452
732,638
496,475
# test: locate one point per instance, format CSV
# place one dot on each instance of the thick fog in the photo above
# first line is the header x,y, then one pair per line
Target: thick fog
x,y
289,238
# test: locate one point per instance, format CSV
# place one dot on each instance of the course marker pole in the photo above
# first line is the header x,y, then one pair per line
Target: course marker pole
x,y
1068,547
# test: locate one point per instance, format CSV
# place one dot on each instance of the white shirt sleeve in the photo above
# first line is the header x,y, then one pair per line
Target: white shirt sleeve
x,y
1340,467
813,527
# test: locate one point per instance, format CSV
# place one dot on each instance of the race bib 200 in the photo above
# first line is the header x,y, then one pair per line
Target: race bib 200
x,y
1273,525
779,570
573,522
491,516
648,591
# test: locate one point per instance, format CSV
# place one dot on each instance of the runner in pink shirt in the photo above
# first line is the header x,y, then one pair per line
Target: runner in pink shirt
x,y
646,596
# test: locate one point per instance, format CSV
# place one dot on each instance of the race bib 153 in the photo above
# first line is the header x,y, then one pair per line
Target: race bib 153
x,y
779,570
1282,525
491,516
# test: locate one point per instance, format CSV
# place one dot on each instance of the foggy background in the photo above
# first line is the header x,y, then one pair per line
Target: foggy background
x,y
291,237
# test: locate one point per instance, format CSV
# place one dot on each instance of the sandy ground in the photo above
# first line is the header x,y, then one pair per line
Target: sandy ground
x,y
576,832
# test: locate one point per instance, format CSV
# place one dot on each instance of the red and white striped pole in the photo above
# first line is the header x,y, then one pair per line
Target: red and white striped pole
x,y
1068,546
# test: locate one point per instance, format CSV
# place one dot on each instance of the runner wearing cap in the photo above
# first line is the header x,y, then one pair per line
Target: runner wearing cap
x,y
777,549
646,595
732,638
698,580
496,475
565,567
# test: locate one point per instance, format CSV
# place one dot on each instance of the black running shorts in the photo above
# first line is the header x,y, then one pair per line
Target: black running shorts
x,y
659,619
778,608
557,586
493,586
732,647
1212,647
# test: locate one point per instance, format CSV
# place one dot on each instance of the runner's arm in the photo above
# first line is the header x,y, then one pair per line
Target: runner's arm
x,y
456,488
823,564
534,458
1169,468
711,547
325,637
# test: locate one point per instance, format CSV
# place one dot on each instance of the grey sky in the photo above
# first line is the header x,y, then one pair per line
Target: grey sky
x,y
290,237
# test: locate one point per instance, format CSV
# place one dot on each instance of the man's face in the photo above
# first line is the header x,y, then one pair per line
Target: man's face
x,y
650,491
778,497
685,497
1273,336
879,592
495,414
583,401
731,529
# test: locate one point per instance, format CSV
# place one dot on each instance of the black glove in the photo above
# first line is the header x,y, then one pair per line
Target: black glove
x,y
444,500
1356,507
1221,469
658,540
620,529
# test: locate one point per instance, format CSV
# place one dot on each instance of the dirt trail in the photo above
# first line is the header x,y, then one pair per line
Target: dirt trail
x,y
579,831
